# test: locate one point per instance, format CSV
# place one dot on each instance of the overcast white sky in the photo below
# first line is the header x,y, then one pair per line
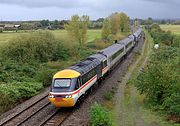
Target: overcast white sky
x,y
64,9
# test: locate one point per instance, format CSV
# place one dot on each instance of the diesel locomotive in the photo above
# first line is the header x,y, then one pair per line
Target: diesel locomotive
x,y
71,85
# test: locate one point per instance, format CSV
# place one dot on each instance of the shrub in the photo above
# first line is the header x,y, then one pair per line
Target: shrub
x,y
85,52
176,41
60,53
44,76
100,44
16,92
99,116
109,94
160,81
37,46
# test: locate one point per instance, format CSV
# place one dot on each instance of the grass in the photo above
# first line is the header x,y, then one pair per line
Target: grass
x,y
173,28
59,34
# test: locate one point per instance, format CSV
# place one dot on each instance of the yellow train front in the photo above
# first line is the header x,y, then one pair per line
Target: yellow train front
x,y
62,90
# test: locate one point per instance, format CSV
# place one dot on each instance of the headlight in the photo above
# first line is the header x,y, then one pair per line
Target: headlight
x,y
68,96
51,96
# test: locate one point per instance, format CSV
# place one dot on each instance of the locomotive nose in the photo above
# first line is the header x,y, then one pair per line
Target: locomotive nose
x,y
60,101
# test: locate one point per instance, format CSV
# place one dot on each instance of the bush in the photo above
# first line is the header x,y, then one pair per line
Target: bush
x,y
176,41
60,53
100,44
38,46
11,71
109,94
44,76
16,92
85,52
160,81
99,116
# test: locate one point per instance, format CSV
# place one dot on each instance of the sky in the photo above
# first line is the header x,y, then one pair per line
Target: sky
x,y
18,10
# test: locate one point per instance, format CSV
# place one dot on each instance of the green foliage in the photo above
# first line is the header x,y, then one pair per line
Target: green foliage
x,y
109,94
162,37
60,52
77,28
106,30
176,41
44,76
124,22
39,46
156,28
100,44
11,71
115,23
33,46
85,52
160,81
11,93
99,116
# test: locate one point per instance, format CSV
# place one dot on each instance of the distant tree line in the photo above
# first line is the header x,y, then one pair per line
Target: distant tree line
x,y
150,21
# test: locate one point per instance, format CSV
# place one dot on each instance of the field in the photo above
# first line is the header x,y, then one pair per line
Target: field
x,y
173,28
92,34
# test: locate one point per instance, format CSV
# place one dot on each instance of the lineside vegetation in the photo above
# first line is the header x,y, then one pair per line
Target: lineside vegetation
x,y
160,80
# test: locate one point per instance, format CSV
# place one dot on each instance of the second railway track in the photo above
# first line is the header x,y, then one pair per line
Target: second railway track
x,y
36,112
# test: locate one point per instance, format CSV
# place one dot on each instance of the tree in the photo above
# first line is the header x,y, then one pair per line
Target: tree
x,y
136,22
45,23
83,29
106,30
115,19
124,22
77,28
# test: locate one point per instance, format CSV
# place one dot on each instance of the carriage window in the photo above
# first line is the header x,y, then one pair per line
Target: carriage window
x,y
105,63
128,45
88,76
62,83
117,54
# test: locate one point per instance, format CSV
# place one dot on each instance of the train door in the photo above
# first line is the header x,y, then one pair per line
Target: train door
x,y
99,70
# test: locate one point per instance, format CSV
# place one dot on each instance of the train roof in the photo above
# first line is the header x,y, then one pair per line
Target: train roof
x,y
99,56
86,65
137,32
67,73
111,49
127,40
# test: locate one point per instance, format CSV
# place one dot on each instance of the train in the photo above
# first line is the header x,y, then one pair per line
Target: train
x,y
70,86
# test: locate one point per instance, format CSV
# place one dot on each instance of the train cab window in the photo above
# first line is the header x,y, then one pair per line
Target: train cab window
x,y
62,83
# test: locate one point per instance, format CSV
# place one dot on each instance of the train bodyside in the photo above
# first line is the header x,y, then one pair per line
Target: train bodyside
x,y
137,34
113,53
103,62
128,42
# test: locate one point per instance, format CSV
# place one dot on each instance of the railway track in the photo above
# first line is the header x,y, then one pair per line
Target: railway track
x,y
57,118
24,114
39,112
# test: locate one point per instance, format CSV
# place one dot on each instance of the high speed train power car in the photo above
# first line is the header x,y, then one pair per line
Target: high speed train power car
x,y
71,85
